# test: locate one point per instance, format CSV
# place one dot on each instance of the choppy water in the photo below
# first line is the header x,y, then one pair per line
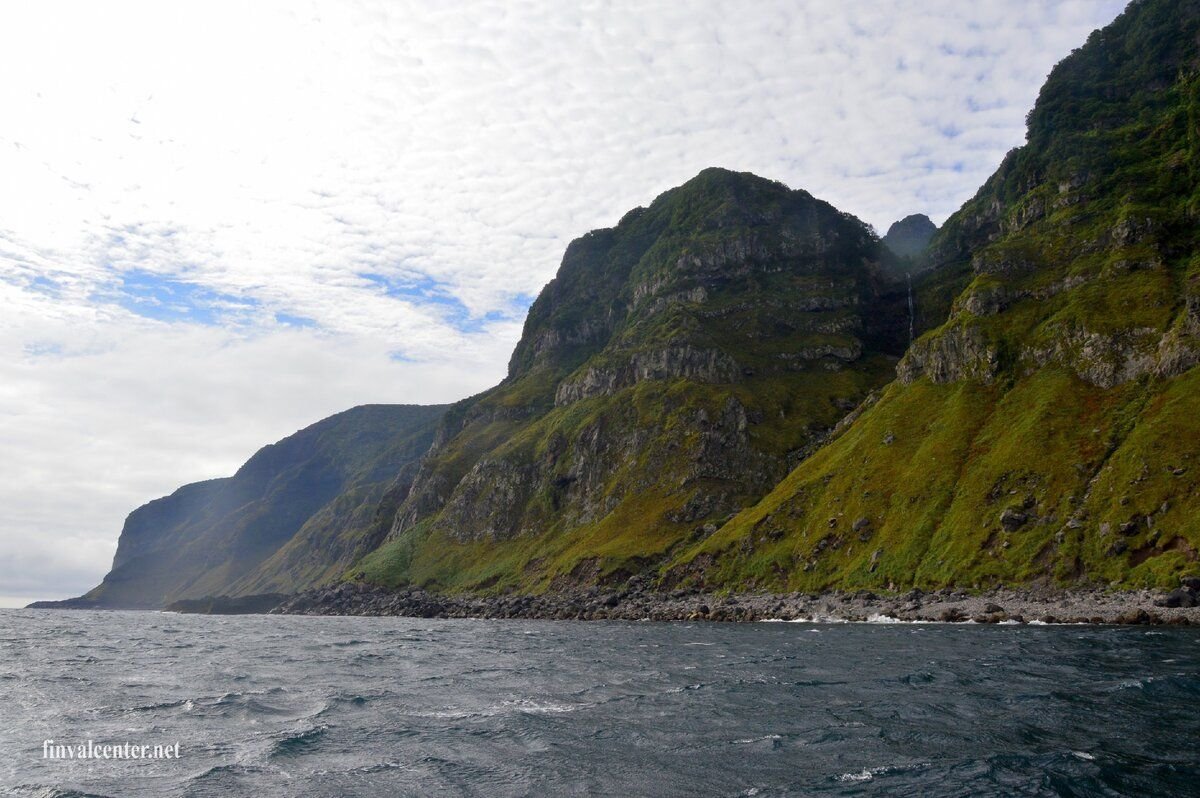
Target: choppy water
x,y
266,706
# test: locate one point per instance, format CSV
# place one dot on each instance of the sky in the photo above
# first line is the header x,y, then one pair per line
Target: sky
x,y
221,222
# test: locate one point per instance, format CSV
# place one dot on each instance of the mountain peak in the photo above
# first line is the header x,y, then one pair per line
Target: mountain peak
x,y
711,232
908,237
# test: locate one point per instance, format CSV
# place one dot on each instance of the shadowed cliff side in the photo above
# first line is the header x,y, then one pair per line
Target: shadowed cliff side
x,y
298,513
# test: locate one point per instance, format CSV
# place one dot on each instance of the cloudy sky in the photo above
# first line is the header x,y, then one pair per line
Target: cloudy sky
x,y
220,222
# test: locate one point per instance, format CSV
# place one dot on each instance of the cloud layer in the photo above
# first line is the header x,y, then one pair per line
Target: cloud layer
x,y
224,221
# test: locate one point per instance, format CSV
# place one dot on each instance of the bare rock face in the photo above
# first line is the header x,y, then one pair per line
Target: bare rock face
x,y
1013,519
487,502
1103,360
677,362
961,353
639,378
1179,349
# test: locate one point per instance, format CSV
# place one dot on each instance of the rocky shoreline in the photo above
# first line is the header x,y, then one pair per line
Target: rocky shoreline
x,y
636,602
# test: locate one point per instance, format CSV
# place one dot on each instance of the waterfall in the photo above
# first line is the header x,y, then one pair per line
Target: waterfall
x,y
911,322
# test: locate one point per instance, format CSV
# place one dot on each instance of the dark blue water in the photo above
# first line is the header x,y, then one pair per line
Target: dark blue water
x,y
287,706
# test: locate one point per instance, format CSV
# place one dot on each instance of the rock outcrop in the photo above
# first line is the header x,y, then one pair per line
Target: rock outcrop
x,y
672,372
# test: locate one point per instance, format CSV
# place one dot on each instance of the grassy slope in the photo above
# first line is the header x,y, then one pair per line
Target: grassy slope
x,y
933,467
646,488
1085,252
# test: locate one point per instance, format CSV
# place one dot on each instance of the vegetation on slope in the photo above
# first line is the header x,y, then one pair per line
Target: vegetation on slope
x,y
1046,430
702,393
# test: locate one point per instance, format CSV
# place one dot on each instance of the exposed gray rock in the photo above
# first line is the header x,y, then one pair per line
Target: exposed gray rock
x,y
674,362
1012,519
956,354
1180,597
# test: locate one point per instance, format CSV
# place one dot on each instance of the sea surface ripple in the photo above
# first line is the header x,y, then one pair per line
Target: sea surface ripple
x,y
307,706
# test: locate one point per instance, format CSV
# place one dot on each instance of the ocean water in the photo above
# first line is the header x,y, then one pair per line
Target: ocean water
x,y
296,706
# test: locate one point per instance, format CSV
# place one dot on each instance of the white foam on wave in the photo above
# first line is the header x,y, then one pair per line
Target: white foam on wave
x,y
541,707
526,705
866,774
879,618
885,619
761,739
447,714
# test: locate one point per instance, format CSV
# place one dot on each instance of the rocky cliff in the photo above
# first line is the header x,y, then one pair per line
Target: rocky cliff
x,y
298,513
673,371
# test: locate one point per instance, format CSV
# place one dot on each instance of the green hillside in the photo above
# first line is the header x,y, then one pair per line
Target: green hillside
x,y
1048,430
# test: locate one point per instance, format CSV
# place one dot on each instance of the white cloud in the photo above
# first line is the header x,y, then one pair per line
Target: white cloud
x,y
347,164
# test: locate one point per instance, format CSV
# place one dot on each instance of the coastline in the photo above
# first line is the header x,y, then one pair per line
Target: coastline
x,y
635,603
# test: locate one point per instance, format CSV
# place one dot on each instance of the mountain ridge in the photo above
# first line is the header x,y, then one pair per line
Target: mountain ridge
x,y
711,307
740,387
216,537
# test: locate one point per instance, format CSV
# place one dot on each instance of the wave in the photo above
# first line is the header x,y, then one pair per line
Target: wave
x,y
869,774
888,620
297,742
772,738
524,706
531,707
186,704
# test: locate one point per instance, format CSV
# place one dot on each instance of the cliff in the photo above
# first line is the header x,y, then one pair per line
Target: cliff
x,y
731,389
678,365
298,513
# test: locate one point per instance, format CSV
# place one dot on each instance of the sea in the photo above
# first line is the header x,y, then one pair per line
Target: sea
x,y
317,706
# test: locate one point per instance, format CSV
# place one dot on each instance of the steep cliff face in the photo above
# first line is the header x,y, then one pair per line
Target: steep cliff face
x,y
673,371
1048,428
299,512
